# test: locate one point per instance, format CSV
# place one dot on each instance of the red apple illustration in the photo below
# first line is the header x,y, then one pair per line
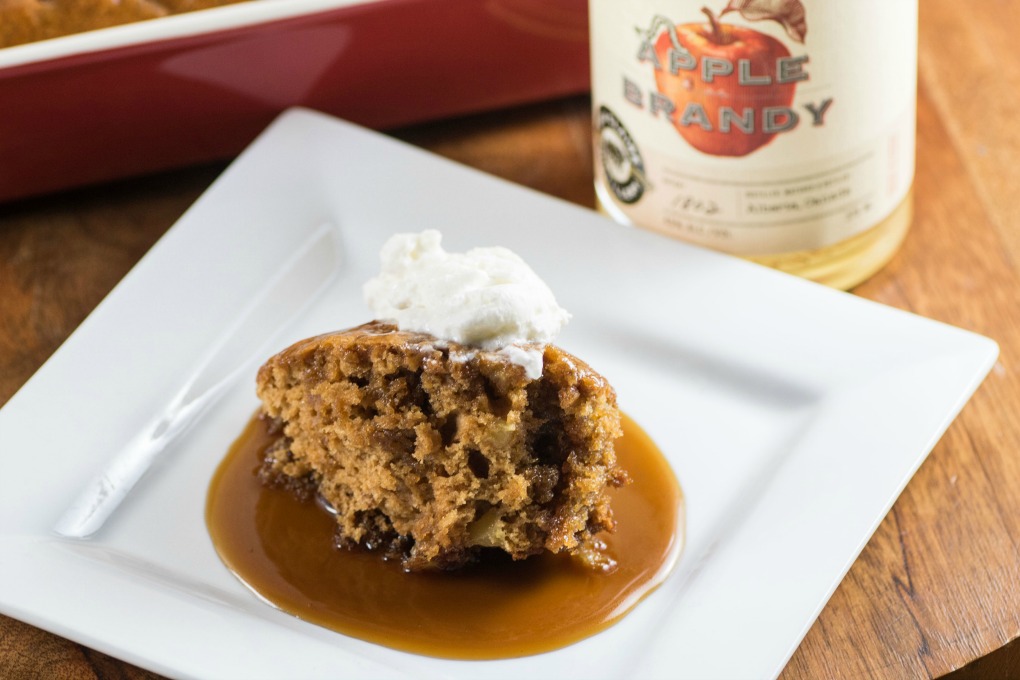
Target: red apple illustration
x,y
714,110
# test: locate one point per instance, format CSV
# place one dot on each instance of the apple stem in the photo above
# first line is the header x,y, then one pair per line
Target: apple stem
x,y
717,33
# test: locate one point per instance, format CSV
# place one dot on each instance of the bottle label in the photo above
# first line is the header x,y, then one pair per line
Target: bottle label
x,y
755,127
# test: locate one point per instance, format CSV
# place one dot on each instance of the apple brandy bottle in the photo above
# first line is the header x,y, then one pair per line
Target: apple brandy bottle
x,y
777,130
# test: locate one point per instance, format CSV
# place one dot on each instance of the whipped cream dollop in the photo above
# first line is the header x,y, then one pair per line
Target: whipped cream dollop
x,y
486,298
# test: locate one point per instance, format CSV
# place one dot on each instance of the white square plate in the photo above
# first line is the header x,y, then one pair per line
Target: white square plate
x,y
792,414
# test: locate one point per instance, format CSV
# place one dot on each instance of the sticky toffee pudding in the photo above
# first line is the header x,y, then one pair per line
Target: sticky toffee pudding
x,y
447,481
282,545
434,451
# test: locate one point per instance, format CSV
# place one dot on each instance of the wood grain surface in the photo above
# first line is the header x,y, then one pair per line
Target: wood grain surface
x,y
937,587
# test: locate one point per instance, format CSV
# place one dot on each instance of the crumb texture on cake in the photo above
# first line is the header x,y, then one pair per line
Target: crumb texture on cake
x,y
431,451
23,21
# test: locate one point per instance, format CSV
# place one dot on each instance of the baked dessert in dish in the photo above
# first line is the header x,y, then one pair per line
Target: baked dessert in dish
x,y
24,21
430,448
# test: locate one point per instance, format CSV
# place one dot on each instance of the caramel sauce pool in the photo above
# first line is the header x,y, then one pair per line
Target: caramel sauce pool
x,y
283,550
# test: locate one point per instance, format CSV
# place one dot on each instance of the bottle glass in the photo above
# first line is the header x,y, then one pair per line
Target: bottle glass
x,y
782,131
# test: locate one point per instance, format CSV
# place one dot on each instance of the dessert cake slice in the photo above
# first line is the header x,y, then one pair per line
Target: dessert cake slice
x,y
431,450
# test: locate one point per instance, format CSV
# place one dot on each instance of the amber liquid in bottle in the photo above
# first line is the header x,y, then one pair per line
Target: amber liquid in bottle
x,y
769,130
845,264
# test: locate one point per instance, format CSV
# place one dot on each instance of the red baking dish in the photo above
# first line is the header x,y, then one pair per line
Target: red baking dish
x,y
196,87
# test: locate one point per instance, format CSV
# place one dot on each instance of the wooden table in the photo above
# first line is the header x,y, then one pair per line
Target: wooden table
x,y
938,586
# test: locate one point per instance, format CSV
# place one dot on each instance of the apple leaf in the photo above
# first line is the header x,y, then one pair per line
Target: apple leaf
x,y
789,13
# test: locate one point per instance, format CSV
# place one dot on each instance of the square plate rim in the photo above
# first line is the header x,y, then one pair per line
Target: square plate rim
x,y
979,354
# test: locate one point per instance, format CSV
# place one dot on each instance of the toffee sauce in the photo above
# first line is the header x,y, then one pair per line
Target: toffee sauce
x,y
283,549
